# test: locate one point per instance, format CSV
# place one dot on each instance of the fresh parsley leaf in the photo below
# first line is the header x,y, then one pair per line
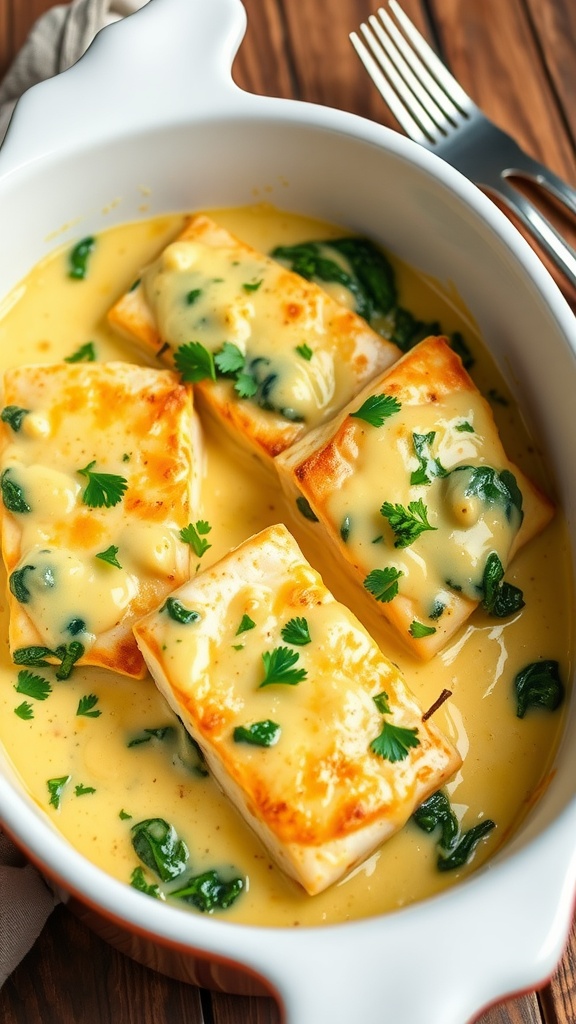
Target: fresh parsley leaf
x,y
381,702
246,386
158,846
85,354
418,630
376,409
194,362
407,523
501,599
429,467
260,734
78,258
110,556
345,528
13,416
32,685
383,583
305,351
246,623
252,286
103,489
138,881
81,790
124,816
208,892
303,506
229,360
56,788
278,667
194,535
13,494
296,632
394,742
538,685
25,711
86,705
465,427
177,612
193,296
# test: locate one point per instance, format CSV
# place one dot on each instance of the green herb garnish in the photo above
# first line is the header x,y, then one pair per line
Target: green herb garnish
x,y
418,630
407,523
501,599
376,409
394,741
32,685
124,816
86,706
78,258
345,528
81,790
16,582
158,846
66,654
455,849
85,354
278,667
104,490
296,632
193,296
538,685
194,535
305,351
259,734
461,854
303,506
246,386
252,286
179,613
429,467
465,427
208,892
13,416
246,623
13,494
229,360
110,556
24,711
56,788
138,881
383,583
194,362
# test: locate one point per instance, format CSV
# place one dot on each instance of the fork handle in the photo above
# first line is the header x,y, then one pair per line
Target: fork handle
x,y
543,176
561,254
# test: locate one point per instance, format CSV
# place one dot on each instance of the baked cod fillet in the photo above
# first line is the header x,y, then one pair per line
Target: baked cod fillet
x,y
98,474
412,491
308,728
286,356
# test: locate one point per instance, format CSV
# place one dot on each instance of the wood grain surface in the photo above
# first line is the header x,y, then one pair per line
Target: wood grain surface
x,y
517,59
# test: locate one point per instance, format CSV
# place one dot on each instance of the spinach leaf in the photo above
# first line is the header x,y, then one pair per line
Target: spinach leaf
x,y
13,416
66,654
408,331
491,487
462,853
501,599
177,612
12,494
209,892
158,846
138,881
434,813
259,734
17,584
538,685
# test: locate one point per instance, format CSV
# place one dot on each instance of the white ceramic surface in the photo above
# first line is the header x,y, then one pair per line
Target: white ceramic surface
x,y
152,106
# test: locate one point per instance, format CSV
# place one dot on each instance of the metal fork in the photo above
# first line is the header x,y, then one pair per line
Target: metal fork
x,y
434,110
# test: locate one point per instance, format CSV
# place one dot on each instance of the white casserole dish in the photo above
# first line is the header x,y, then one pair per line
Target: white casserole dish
x,y
152,105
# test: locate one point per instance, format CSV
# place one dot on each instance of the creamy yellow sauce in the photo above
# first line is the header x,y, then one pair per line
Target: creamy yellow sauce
x,y
506,760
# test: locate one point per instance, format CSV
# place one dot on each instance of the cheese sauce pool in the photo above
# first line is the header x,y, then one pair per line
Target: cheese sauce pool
x,y
136,774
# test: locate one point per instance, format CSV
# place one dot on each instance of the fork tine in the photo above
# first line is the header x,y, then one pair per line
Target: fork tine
x,y
452,88
421,85
404,118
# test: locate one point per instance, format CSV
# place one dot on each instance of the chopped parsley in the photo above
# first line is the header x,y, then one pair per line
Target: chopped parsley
x,y
78,258
86,706
193,296
465,427
418,630
13,416
138,881
296,632
394,741
345,528
376,409
303,506
278,666
81,790
32,686
110,556
305,351
407,523
124,816
246,623
56,788
383,583
179,613
24,711
252,286
195,534
194,362
85,354
260,734
103,490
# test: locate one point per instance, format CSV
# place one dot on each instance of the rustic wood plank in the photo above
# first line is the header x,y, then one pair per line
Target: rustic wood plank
x,y
70,975
555,26
558,999
522,1010
236,1009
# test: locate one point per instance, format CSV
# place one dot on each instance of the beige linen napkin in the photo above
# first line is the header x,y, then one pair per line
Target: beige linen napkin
x,y
56,41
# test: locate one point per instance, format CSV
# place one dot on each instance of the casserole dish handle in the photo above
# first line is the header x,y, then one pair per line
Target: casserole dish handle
x,y
154,68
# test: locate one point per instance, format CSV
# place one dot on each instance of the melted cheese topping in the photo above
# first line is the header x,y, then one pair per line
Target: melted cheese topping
x,y
53,540
507,761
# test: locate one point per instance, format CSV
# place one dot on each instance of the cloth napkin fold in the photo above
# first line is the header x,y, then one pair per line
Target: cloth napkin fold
x,y
57,40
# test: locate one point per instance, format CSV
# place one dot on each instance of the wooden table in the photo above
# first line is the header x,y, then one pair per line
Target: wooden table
x,y
517,58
